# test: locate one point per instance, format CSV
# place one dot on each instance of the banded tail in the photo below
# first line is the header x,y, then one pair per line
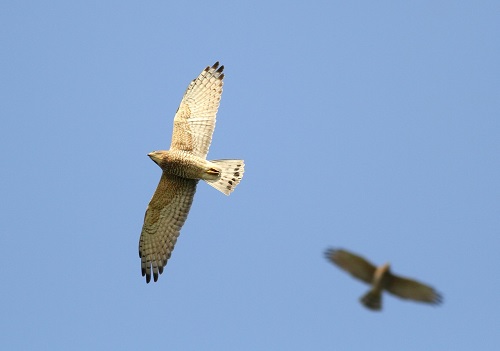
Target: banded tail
x,y
372,300
231,174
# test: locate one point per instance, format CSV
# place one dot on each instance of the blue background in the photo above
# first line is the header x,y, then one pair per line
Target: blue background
x,y
372,126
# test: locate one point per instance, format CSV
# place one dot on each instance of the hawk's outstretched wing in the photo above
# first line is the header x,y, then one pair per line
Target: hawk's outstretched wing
x,y
194,120
357,266
166,213
411,289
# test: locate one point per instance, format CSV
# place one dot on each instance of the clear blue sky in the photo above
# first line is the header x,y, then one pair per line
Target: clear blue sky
x,y
372,126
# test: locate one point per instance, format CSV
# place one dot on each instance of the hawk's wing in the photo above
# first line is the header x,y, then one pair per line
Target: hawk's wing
x,y
411,289
194,120
355,265
166,213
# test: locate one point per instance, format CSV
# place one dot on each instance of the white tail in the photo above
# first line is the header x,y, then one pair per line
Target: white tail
x,y
231,174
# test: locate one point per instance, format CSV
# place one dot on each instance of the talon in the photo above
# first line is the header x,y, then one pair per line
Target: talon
x,y
213,171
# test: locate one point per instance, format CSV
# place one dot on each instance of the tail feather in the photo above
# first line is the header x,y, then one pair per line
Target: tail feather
x,y
372,300
231,174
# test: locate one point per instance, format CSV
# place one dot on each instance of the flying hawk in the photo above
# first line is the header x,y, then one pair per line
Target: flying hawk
x,y
381,278
183,165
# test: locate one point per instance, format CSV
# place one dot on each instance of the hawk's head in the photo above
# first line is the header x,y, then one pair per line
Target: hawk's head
x,y
159,157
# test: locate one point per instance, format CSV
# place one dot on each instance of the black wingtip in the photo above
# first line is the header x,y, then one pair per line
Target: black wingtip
x,y
438,299
329,252
148,278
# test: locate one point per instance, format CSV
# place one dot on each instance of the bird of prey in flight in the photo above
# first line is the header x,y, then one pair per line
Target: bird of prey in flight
x,y
381,278
182,167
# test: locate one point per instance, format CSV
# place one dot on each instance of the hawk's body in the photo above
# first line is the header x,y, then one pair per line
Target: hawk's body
x,y
381,278
183,165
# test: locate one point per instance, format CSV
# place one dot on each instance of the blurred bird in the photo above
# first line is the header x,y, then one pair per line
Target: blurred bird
x,y
381,279
183,166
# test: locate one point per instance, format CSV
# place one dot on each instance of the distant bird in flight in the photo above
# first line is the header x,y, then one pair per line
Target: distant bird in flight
x,y
183,165
381,278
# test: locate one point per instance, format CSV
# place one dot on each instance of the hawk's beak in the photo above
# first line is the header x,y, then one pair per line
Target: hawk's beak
x,y
154,157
